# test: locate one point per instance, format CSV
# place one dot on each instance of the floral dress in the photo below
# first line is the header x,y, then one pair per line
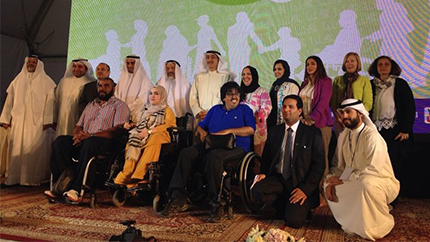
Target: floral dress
x,y
259,102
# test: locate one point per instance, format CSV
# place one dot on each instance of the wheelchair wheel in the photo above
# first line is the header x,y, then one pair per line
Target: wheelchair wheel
x,y
93,200
249,167
119,197
156,203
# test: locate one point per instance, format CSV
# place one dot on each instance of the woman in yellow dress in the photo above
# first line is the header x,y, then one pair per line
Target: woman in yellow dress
x,y
146,136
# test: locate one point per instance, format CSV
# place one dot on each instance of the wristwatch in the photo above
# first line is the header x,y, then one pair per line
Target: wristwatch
x,y
149,131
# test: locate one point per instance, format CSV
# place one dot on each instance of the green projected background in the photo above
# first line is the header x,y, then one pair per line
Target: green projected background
x,y
255,32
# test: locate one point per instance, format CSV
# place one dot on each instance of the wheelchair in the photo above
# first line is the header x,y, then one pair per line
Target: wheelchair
x,y
237,173
159,172
103,163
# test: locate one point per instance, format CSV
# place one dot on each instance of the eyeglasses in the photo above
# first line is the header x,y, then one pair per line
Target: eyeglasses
x,y
230,94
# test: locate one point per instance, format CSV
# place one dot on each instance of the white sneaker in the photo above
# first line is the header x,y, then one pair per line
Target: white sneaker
x,y
49,194
72,196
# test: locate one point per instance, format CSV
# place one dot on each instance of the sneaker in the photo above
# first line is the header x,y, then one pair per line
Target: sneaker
x,y
174,206
216,213
72,197
50,196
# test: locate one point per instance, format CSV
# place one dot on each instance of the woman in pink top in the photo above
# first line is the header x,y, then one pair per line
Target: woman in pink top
x,y
258,100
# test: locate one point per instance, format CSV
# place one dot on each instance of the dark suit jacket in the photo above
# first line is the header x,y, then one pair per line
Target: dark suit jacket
x,y
88,95
308,156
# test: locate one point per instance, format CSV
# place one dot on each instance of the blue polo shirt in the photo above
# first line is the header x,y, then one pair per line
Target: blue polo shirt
x,y
218,118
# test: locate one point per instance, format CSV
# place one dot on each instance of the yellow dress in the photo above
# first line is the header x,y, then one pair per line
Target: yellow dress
x,y
133,170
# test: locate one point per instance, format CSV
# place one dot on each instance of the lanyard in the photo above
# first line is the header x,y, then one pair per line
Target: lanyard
x,y
356,144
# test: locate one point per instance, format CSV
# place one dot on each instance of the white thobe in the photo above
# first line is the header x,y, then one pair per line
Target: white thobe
x,y
205,91
67,97
27,110
364,197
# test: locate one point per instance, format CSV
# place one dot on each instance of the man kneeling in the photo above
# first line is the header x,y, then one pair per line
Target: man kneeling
x,y
361,181
292,166
229,117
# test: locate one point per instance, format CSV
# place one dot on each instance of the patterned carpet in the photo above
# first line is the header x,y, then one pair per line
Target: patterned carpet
x,y
27,216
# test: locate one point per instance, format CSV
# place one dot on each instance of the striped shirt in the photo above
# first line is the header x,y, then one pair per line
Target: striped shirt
x,y
98,118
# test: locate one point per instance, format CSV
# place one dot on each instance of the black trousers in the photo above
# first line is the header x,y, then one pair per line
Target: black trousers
x,y
211,163
63,151
275,189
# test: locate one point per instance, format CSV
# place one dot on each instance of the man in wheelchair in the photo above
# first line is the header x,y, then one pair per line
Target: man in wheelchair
x,y
95,134
222,119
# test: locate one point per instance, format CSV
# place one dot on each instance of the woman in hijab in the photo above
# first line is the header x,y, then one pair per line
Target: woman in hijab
x,y
350,85
146,136
282,87
257,98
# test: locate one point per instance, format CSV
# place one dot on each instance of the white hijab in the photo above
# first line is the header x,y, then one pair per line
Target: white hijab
x,y
179,96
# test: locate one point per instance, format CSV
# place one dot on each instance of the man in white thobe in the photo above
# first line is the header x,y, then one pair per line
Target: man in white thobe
x,y
78,73
213,73
177,87
361,182
28,114
133,85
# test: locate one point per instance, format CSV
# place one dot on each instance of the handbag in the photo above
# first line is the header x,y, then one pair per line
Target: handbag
x,y
64,182
224,141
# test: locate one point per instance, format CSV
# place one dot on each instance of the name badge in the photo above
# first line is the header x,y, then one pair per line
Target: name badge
x,y
346,173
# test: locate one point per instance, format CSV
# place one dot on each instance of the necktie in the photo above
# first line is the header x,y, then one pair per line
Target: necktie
x,y
286,168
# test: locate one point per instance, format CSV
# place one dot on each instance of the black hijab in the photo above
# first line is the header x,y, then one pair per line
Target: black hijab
x,y
244,89
285,77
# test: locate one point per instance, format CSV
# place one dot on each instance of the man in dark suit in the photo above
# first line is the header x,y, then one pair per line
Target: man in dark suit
x,y
90,91
293,164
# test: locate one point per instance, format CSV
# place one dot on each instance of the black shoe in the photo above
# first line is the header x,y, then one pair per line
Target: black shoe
x,y
168,209
216,214
174,206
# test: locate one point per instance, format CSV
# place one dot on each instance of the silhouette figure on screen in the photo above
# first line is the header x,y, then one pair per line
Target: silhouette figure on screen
x,y
239,50
112,56
347,40
396,45
289,48
176,47
137,43
204,37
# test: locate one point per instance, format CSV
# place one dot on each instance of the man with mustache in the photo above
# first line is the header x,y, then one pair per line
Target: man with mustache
x,y
28,115
177,87
94,134
90,91
229,117
361,182
292,167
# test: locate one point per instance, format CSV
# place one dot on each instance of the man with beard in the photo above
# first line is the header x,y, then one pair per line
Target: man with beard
x,y
90,91
94,134
69,90
361,182
292,167
28,116
177,87
213,73
133,85
227,118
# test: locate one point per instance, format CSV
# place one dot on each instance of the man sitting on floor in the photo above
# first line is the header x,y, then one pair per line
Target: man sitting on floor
x,y
94,134
226,118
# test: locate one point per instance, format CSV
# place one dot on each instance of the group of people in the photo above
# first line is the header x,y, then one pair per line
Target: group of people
x,y
290,126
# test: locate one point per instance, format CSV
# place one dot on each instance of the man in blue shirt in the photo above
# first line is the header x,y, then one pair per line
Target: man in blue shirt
x,y
229,117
